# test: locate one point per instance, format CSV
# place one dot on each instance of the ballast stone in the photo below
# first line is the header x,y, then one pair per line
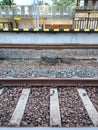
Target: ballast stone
x,y
49,58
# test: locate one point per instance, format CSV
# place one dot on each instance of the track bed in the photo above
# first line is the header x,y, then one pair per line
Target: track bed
x,y
44,105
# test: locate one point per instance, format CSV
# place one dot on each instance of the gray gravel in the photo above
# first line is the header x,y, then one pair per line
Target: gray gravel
x,y
72,110
93,94
31,54
47,72
37,109
8,101
73,113
48,63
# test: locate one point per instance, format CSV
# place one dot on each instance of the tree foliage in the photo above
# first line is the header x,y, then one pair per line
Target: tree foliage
x,y
63,2
7,2
41,3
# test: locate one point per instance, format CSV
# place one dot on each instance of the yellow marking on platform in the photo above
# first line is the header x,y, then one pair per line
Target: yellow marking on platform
x,y
5,29
56,30
36,29
26,29
96,30
16,29
46,30
1,25
76,29
16,18
87,30
66,30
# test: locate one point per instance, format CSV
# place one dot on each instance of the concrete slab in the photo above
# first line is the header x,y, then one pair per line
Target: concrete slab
x,y
48,38
55,119
92,112
1,90
20,108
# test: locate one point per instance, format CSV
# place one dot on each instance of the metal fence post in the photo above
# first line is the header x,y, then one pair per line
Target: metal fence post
x,y
36,14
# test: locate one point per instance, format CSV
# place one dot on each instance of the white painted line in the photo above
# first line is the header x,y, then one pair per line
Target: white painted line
x,y
92,112
1,90
20,108
55,118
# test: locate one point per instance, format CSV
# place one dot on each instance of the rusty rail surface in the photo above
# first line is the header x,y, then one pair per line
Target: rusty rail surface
x,y
42,81
48,46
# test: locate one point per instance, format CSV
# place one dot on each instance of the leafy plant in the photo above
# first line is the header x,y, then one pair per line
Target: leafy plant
x,y
63,2
7,2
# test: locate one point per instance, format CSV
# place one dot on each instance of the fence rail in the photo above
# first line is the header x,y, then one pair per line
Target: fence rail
x,y
83,23
44,10
28,11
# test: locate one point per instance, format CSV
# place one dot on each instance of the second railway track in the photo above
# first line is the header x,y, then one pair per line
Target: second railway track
x,y
49,46
43,102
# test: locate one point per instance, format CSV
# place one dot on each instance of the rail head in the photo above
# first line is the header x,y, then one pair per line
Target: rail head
x,y
48,46
42,81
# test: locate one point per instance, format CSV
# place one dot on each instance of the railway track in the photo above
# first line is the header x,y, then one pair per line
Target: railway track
x,y
48,46
44,102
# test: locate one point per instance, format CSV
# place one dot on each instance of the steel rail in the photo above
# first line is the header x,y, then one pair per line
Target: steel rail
x,y
42,81
48,46
49,128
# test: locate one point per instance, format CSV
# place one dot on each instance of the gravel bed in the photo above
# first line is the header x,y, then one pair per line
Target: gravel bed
x,y
8,101
32,68
28,63
73,113
93,94
32,54
37,109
